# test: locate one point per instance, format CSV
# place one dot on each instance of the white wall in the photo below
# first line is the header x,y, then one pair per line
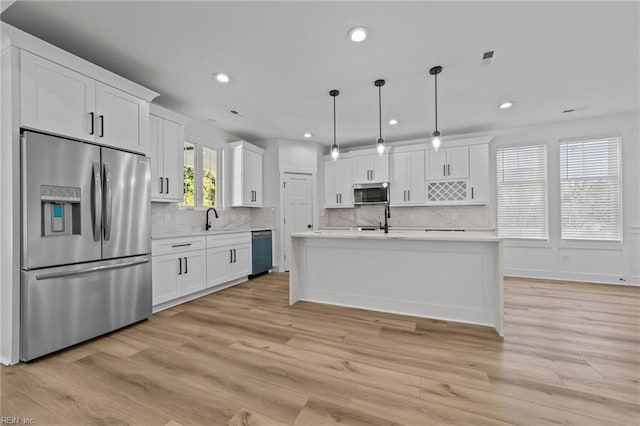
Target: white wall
x,y
607,262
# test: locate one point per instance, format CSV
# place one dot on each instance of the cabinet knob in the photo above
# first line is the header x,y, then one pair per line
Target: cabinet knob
x,y
309,226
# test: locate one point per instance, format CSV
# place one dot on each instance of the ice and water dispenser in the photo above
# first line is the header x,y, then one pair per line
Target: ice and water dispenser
x,y
60,210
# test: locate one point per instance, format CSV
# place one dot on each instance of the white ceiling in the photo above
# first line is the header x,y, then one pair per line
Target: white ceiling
x,y
284,57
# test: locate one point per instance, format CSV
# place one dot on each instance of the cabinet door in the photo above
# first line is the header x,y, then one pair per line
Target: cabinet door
x,y
120,119
173,159
479,172
156,153
257,178
56,99
416,185
361,169
398,182
193,272
436,164
380,168
219,265
251,176
242,261
331,183
458,162
167,283
345,182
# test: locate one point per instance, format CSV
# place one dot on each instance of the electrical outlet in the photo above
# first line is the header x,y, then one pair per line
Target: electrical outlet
x,y
166,217
566,258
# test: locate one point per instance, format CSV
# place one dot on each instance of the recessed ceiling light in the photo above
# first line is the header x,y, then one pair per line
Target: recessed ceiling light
x,y
393,122
222,77
358,34
506,104
307,135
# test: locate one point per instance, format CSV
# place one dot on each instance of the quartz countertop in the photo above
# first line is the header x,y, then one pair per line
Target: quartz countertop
x,y
479,236
202,233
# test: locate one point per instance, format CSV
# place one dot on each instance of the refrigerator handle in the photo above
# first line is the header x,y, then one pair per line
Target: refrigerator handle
x,y
90,270
106,191
96,199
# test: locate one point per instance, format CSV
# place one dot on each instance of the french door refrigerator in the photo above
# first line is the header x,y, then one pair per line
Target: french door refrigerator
x,y
85,242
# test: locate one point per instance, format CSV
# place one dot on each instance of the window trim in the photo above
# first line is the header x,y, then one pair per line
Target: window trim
x,y
585,242
197,172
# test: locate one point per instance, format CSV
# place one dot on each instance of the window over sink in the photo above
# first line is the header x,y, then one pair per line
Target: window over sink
x,y
200,176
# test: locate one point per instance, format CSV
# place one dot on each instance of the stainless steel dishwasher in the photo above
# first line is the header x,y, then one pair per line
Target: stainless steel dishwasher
x,y
261,252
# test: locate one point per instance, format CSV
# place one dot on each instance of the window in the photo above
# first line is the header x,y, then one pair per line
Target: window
x,y
522,192
188,174
590,186
200,176
209,173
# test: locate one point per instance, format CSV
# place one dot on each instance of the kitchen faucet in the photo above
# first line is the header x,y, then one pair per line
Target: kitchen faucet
x,y
207,224
387,215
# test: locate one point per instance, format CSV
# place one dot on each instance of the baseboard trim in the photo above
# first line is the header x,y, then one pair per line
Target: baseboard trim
x,y
535,277
193,296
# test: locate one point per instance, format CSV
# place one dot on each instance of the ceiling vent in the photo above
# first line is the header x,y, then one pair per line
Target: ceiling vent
x,y
487,58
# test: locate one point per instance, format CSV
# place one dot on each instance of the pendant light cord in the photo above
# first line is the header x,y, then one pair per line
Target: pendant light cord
x,y
380,108
334,120
436,98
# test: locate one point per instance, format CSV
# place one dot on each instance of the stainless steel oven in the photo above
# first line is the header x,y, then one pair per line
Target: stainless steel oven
x,y
371,193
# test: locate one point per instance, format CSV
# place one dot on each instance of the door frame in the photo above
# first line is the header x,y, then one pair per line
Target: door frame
x,y
315,214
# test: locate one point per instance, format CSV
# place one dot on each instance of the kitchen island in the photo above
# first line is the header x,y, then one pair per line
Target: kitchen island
x,y
451,276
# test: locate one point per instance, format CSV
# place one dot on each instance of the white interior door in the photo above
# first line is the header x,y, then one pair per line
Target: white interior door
x,y
298,209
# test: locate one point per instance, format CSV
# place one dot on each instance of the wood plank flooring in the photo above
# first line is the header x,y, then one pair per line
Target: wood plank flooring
x,y
243,356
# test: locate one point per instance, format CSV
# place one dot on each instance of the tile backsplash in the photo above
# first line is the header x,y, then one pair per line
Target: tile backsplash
x,y
451,217
169,218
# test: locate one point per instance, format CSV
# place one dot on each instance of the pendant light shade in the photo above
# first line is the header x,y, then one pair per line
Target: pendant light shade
x,y
380,141
335,150
435,141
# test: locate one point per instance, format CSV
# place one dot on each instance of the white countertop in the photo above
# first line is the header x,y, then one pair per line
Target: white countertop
x,y
202,233
480,236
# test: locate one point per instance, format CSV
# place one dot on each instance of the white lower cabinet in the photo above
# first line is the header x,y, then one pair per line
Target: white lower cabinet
x,y
167,283
194,272
228,257
177,275
219,265
178,268
187,265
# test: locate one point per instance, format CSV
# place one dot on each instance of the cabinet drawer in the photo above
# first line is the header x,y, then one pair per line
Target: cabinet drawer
x,y
222,240
176,245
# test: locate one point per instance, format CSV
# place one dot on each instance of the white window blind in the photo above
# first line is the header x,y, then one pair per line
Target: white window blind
x,y
590,189
522,192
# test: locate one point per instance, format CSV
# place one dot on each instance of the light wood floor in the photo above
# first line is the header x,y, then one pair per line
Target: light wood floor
x,y
571,355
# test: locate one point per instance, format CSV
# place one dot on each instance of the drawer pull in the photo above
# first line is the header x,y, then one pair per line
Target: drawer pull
x,y
181,245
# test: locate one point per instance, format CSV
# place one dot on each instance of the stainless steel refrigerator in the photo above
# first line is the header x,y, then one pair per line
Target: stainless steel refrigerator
x,y
85,242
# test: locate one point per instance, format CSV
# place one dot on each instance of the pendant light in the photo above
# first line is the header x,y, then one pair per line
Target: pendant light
x,y
335,151
380,142
436,134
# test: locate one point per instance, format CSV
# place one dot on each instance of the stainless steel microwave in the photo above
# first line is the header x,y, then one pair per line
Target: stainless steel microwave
x,y
371,193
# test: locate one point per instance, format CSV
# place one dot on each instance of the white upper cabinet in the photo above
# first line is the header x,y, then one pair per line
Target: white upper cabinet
x,y
459,174
407,183
479,173
166,144
57,99
448,163
338,183
122,119
246,174
370,168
